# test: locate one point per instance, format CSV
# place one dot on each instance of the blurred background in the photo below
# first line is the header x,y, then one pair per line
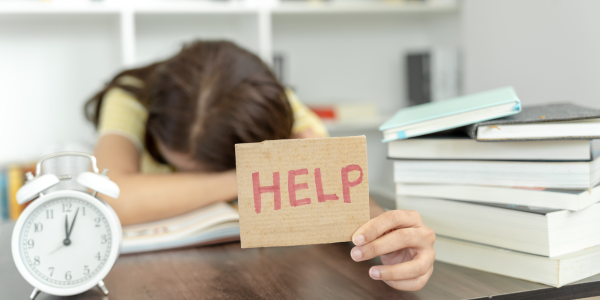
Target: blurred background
x,y
340,57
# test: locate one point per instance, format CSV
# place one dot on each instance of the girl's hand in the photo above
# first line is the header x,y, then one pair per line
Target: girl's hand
x,y
405,245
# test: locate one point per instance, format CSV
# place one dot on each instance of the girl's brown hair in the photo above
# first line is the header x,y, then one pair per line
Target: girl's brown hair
x,y
204,100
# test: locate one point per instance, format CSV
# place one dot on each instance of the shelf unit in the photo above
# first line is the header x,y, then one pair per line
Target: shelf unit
x,y
128,10
335,51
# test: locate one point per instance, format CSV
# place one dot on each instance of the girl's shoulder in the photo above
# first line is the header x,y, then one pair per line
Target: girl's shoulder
x,y
304,118
121,113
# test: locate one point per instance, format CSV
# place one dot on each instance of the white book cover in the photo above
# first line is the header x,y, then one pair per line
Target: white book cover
x,y
453,145
560,174
558,271
570,199
527,229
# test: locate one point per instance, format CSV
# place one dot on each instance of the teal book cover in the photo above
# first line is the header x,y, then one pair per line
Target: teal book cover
x,y
3,196
446,108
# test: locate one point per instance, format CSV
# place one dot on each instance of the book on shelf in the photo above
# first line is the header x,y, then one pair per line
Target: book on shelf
x,y
542,122
458,146
418,77
569,199
452,113
561,174
216,223
432,74
557,271
345,111
534,230
3,196
15,180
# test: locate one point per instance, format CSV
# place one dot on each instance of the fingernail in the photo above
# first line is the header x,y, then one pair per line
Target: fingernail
x,y
356,254
374,273
359,239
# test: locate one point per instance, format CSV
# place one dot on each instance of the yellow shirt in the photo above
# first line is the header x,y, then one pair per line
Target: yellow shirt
x,y
121,113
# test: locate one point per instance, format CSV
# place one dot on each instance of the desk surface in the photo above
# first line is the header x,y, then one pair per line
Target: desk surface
x,y
302,272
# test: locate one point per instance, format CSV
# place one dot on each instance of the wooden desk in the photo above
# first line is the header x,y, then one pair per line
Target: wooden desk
x,y
302,272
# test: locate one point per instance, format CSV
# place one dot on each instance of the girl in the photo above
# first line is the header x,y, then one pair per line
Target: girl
x,y
167,135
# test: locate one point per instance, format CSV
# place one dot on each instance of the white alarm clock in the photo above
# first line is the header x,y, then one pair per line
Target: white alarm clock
x,y
65,242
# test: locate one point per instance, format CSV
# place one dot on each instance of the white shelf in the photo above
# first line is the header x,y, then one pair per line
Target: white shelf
x,y
59,7
194,7
363,7
230,7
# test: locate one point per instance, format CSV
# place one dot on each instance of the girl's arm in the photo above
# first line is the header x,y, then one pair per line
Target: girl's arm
x,y
150,197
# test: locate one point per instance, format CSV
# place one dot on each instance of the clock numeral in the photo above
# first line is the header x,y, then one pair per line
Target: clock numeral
x,y
86,270
30,243
51,269
49,214
97,220
67,207
97,256
103,239
83,211
38,227
68,275
36,261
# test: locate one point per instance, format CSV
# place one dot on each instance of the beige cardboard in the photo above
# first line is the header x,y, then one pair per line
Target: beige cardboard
x,y
328,221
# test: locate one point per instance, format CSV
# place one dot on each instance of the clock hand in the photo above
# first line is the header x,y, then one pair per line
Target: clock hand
x,y
66,241
62,245
72,223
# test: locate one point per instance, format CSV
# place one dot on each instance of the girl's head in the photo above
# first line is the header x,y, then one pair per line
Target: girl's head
x,y
203,101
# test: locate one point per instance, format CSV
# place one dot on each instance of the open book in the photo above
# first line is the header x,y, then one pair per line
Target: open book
x,y
213,224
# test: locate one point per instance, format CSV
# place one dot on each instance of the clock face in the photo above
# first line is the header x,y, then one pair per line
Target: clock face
x,y
65,242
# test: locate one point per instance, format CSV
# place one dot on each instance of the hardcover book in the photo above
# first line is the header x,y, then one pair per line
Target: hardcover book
x,y
556,271
547,174
448,145
452,113
534,230
542,122
569,199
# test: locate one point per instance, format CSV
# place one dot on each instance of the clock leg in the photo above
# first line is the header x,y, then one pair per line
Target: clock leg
x,y
34,293
102,287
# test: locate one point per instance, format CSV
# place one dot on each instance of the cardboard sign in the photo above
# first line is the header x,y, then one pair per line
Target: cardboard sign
x,y
298,192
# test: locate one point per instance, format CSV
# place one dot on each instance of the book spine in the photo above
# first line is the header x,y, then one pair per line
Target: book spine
x,y
3,196
418,74
15,182
471,130
326,113
279,67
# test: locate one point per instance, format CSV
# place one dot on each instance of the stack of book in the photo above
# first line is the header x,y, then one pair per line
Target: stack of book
x,y
509,192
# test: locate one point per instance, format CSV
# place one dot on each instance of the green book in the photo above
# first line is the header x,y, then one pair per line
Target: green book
x,y
452,113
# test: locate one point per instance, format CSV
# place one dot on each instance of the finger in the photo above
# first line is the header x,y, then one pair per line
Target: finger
x,y
406,270
418,238
413,284
381,224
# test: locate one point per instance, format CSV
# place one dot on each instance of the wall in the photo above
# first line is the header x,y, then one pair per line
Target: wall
x,y
549,50
46,75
